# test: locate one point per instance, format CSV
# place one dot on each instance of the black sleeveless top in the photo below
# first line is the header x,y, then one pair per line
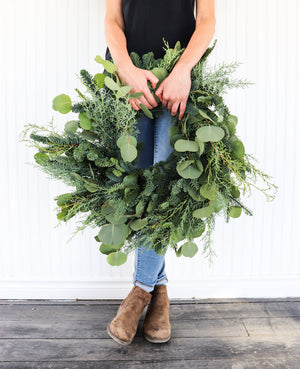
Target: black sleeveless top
x,y
147,22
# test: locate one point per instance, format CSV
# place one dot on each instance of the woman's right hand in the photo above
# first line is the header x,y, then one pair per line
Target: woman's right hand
x,y
137,78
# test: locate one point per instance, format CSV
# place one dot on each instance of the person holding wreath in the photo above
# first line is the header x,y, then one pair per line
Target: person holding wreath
x,y
140,26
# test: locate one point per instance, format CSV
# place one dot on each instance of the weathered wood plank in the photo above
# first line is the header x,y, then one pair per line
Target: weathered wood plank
x,y
273,326
238,348
97,329
118,301
177,311
269,363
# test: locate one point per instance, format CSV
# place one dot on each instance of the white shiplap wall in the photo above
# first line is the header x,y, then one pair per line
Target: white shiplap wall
x,y
43,44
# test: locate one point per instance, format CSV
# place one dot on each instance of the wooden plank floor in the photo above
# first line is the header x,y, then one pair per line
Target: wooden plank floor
x,y
214,334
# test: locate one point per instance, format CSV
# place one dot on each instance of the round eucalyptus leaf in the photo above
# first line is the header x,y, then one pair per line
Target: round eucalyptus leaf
x,y
62,103
113,234
71,126
235,211
116,258
210,133
85,121
128,152
138,224
203,212
186,145
130,181
106,249
189,249
187,170
209,191
125,139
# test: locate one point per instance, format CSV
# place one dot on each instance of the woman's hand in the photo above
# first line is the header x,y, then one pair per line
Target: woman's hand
x,y
175,89
137,78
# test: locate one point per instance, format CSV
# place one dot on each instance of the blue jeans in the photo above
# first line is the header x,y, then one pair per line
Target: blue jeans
x,y
149,266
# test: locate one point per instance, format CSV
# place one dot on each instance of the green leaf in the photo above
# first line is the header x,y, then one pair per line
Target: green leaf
x,y
173,130
235,192
209,191
201,146
116,258
64,199
203,212
210,133
99,79
41,158
238,150
135,95
85,122
113,234
219,203
107,64
189,249
128,152
130,181
186,145
204,115
138,224
126,139
71,126
106,249
186,170
109,213
146,111
123,91
160,73
91,187
111,84
62,103
235,211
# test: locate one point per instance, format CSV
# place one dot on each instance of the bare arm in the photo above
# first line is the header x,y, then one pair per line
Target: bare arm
x,y
175,89
117,44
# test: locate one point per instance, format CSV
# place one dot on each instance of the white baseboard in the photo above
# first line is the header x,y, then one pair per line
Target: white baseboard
x,y
227,288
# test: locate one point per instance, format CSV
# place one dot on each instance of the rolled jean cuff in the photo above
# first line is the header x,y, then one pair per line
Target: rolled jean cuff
x,y
143,286
162,281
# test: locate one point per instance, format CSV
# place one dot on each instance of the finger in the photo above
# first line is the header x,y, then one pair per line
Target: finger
x,y
152,78
150,98
182,109
174,108
159,91
145,102
135,106
169,105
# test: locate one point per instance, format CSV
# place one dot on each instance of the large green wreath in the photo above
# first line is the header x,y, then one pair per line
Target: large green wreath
x,y
172,201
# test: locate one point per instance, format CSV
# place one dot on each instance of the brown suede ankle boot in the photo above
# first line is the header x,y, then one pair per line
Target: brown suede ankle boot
x,y
157,327
124,325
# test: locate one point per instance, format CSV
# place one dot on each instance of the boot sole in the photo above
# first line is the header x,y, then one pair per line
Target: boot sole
x,y
115,338
156,340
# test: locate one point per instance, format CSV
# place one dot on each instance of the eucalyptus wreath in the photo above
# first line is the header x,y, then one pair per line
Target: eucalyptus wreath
x,y
171,201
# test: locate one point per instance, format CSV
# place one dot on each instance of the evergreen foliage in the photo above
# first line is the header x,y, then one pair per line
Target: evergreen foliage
x,y
168,202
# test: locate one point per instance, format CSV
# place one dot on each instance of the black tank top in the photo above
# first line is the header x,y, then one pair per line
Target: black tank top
x,y
147,22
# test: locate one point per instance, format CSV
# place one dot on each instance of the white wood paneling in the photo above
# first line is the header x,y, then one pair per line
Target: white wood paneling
x,y
44,44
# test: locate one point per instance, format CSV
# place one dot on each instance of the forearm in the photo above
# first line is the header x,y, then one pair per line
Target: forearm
x,y
117,44
197,45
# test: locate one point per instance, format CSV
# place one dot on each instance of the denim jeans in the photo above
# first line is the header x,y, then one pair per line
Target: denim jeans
x,y
149,267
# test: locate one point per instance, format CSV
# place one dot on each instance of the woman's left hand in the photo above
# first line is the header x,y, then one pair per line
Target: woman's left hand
x,y
174,90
